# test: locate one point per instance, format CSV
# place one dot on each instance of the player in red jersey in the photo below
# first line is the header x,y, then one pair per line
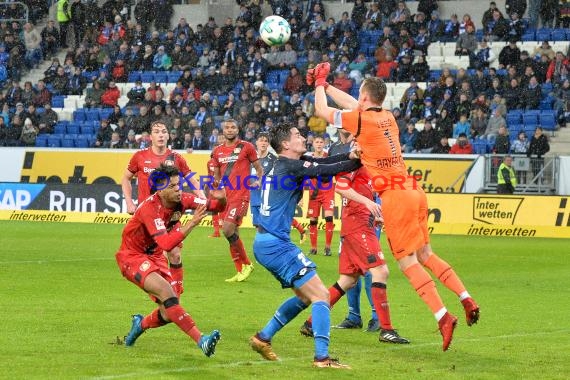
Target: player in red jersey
x,y
232,162
321,195
360,250
142,164
215,215
155,228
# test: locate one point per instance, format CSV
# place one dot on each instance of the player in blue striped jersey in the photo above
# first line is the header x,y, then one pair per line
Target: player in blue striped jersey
x,y
281,191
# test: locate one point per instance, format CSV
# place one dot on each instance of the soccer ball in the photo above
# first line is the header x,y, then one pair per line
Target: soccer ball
x,y
275,30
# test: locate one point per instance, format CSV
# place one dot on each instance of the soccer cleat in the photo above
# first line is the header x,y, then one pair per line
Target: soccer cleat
x,y
302,238
307,329
373,326
234,278
349,324
245,272
263,348
136,330
471,311
446,326
327,251
214,235
208,343
392,336
330,363
313,251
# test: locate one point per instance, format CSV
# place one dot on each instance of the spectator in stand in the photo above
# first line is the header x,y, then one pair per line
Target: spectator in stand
x,y
510,55
199,142
93,95
497,28
435,27
462,145
136,94
515,6
465,22
161,60
408,138
478,123
462,127
50,39
558,68
103,138
538,147
76,83
466,42
516,27
33,44
48,119
484,56
450,30
420,69
514,95
502,142
115,142
548,13
521,144
442,147
358,13
357,68
429,111
544,49
342,82
532,94
110,97
294,82
29,133
427,139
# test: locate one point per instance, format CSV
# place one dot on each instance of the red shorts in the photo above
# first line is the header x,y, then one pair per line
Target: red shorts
x,y
324,201
136,266
235,210
405,220
359,252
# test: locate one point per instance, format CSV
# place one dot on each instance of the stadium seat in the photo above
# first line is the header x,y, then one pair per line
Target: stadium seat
x,y
134,76
513,118
530,119
59,129
528,36
548,121
87,129
543,35
42,141
545,105
79,115
81,142
161,77
558,35
72,129
57,101
54,141
67,143
92,114
104,113
147,76
174,76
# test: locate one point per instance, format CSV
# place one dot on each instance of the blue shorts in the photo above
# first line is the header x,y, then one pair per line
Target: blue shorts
x,y
284,260
255,215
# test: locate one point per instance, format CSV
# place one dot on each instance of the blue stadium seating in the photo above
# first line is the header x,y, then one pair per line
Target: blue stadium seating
x,y
81,142
92,114
42,141
543,34
548,120
59,129
134,76
79,114
72,129
514,117
54,141
57,101
147,76
161,77
87,129
530,119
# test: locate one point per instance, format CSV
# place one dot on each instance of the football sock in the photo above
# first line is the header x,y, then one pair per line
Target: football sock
x,y
216,223
177,273
284,314
442,270
153,320
298,226
425,287
237,244
313,233
335,293
321,314
329,229
353,299
179,316
380,299
368,289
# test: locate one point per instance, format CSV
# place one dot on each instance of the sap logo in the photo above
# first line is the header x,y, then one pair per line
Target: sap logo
x,y
18,196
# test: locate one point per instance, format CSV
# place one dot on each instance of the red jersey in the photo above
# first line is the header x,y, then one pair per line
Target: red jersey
x,y
211,165
321,188
355,216
145,161
154,228
238,158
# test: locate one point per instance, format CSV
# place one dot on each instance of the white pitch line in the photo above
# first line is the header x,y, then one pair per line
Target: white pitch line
x,y
259,362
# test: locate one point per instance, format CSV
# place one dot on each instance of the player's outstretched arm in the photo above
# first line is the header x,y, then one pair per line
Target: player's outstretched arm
x,y
127,187
350,193
168,240
303,169
341,98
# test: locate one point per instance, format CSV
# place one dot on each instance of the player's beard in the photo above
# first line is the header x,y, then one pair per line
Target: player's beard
x,y
232,139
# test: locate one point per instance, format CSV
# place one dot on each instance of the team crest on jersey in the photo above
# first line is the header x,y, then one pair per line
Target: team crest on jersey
x,y
307,164
144,266
168,162
159,224
237,150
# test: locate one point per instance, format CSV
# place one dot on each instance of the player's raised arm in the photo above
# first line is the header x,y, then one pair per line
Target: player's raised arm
x,y
349,193
216,201
318,77
303,169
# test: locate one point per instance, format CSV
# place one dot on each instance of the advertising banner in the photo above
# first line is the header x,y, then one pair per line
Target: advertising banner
x,y
108,166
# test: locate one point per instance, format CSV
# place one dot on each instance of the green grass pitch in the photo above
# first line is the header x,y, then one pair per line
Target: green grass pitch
x,y
64,303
